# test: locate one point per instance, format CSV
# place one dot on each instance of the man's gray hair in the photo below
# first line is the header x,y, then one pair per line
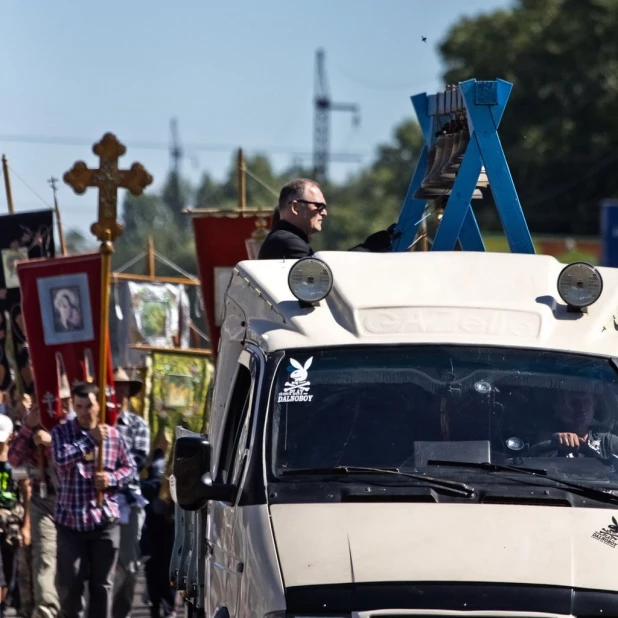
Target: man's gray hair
x,y
294,190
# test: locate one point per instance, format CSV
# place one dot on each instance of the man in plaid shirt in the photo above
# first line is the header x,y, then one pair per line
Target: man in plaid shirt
x,y
136,435
88,534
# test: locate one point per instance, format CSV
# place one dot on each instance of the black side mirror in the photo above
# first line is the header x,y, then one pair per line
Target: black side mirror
x,y
191,469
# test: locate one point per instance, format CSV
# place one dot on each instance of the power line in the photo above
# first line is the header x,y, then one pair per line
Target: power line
x,y
56,140
23,182
70,229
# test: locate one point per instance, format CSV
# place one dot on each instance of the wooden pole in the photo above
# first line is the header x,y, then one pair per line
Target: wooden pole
x,y
106,269
63,245
7,184
151,257
242,184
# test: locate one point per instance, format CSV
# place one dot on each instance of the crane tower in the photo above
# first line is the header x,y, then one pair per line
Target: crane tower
x,y
323,107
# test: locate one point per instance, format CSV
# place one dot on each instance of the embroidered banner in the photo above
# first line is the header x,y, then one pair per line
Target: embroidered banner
x,y
23,236
180,385
62,300
152,314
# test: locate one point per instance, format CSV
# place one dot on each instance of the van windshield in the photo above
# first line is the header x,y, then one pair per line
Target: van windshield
x,y
404,407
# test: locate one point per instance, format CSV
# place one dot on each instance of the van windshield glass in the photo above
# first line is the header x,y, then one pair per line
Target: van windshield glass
x,y
404,407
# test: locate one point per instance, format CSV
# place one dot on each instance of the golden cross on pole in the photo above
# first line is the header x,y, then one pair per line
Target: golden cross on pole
x,y
108,179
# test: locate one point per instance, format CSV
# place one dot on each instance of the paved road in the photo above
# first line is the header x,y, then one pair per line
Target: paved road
x,y
140,610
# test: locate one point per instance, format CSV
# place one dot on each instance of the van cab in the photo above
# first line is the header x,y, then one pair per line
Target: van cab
x,y
415,434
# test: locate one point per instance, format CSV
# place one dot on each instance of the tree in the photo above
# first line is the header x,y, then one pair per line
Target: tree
x,y
78,243
372,200
176,196
150,215
206,193
560,128
144,212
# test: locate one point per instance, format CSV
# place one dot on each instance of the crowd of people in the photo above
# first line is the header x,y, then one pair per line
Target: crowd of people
x,y
72,536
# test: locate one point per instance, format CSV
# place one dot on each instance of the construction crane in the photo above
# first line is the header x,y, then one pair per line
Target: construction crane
x,y
321,130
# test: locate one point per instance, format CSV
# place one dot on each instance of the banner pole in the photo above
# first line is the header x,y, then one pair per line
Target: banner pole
x,y
107,248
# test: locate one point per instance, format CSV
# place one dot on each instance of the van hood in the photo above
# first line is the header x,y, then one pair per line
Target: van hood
x,y
321,544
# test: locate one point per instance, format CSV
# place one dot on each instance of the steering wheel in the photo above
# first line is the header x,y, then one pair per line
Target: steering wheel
x,y
550,445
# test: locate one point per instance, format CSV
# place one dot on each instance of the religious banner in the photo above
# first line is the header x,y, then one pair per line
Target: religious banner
x,y
62,314
23,236
153,314
180,385
221,242
157,310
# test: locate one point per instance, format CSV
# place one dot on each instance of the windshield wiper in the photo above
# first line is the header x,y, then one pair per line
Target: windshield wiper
x,y
452,486
587,490
485,465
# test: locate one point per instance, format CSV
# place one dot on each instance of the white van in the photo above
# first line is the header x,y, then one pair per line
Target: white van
x,y
418,434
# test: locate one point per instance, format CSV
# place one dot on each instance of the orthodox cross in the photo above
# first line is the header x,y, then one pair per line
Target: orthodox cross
x,y
108,179
50,400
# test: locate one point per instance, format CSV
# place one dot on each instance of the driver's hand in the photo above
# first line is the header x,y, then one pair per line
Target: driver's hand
x,y
568,440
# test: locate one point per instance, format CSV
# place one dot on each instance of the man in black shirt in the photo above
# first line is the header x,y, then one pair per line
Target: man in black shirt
x,y
301,211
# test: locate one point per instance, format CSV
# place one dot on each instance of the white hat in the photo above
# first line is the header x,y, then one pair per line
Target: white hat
x,y
6,428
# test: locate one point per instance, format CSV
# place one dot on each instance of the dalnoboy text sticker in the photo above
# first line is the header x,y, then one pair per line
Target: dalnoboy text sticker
x,y
297,388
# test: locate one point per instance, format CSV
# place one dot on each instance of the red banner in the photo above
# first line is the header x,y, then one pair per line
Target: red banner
x,y
220,245
61,303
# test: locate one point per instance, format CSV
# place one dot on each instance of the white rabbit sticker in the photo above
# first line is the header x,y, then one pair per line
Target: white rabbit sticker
x,y
297,389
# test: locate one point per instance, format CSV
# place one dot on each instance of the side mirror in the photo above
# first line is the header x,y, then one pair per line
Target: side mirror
x,y
193,486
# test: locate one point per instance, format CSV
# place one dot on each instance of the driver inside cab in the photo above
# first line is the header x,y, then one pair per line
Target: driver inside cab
x,y
574,415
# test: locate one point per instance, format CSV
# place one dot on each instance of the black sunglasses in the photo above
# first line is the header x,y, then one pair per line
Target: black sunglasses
x,y
320,206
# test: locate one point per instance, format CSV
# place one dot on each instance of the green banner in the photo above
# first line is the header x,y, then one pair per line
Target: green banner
x,y
180,387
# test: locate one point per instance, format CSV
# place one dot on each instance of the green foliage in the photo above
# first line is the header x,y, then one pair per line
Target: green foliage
x,y
77,243
367,202
176,378
560,127
148,215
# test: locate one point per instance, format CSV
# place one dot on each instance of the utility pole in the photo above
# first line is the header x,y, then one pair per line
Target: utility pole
x,y
176,155
63,245
321,128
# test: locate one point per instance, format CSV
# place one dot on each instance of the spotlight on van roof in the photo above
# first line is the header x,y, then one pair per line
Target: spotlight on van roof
x,y
310,280
579,285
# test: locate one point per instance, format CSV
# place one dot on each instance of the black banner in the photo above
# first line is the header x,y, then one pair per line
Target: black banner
x,y
23,236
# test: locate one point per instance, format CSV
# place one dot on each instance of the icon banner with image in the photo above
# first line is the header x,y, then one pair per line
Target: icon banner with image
x,y
65,309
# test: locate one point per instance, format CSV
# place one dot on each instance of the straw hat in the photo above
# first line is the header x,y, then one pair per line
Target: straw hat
x,y
121,377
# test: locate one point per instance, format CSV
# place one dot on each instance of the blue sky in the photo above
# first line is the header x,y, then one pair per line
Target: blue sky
x,y
233,74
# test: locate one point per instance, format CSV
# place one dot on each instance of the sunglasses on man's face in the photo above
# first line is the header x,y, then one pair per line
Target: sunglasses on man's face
x,y
319,206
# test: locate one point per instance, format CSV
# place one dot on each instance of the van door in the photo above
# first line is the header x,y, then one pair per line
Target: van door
x,y
225,557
